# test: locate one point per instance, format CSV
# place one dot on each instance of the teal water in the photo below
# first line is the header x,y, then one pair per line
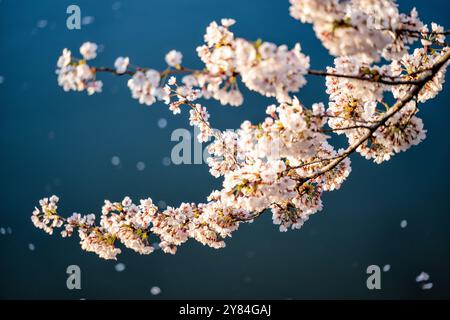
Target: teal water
x,y
62,143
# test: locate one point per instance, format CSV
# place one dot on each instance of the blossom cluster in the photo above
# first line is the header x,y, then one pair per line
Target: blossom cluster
x,y
364,28
179,95
46,217
356,104
411,66
285,163
275,155
77,75
144,87
264,67
133,224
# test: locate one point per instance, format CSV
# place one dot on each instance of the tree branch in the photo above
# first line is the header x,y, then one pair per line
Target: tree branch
x,y
391,112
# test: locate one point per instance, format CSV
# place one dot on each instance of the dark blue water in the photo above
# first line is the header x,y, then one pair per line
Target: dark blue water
x,y
62,143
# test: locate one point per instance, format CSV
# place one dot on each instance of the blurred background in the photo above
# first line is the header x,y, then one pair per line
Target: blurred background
x,y
87,149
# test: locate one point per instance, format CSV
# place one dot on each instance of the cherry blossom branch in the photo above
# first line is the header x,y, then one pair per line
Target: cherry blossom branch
x,y
390,113
335,161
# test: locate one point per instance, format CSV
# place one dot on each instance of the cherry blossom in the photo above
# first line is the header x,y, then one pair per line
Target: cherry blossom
x,y
121,64
89,50
144,87
174,58
364,28
271,70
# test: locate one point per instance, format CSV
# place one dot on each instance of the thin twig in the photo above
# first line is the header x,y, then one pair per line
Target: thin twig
x,y
382,79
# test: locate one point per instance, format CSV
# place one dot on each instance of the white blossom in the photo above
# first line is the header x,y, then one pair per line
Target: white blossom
x,y
89,50
358,27
174,58
121,64
271,70
145,87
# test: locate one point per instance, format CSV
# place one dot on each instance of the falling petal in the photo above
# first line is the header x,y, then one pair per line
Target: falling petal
x,y
120,267
140,166
41,24
115,161
155,290
427,286
423,276
162,123
166,161
116,5
87,20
